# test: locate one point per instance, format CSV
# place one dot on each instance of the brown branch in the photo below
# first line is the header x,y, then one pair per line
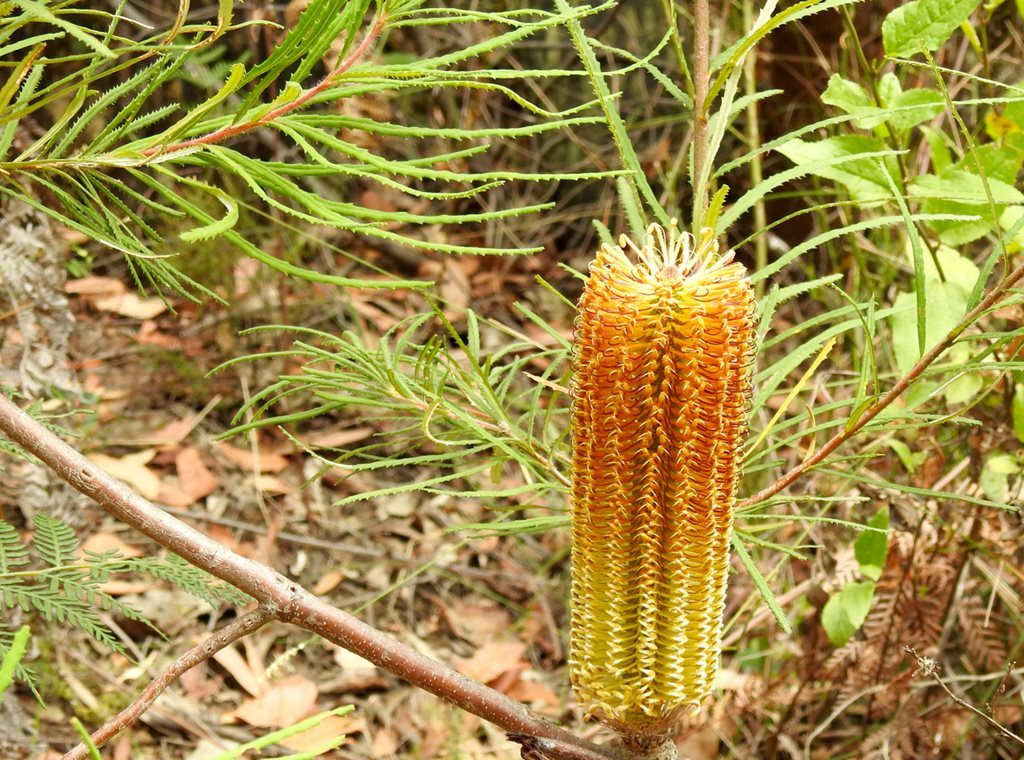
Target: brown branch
x,y
284,599
232,130
897,390
201,652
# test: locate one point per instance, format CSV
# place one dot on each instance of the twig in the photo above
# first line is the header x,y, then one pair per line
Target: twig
x,y
928,667
286,600
201,652
897,390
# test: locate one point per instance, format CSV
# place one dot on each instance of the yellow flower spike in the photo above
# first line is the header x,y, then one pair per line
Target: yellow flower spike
x,y
664,347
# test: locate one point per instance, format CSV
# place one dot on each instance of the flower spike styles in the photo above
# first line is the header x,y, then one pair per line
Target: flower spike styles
x,y
664,348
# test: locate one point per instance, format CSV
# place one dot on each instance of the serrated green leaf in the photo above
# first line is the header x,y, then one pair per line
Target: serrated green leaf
x,y
218,226
923,23
761,584
912,107
854,100
39,11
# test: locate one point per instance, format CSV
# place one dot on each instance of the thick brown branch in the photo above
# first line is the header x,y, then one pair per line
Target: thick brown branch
x,y
897,390
201,652
286,600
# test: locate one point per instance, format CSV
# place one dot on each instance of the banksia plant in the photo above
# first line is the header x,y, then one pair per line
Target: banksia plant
x,y
664,347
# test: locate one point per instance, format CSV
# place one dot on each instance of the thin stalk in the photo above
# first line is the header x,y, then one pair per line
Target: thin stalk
x,y
897,390
753,130
201,652
701,83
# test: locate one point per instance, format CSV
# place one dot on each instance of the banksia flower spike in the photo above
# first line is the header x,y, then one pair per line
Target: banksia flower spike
x,y
664,347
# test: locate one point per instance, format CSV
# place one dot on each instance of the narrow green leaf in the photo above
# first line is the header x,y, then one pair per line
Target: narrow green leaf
x,y
617,127
12,658
761,584
41,12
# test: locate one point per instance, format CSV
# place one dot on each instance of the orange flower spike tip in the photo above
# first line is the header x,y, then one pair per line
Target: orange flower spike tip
x,y
664,349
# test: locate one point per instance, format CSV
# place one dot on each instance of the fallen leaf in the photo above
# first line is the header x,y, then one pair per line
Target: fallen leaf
x,y
234,663
282,704
95,286
492,660
132,470
700,744
150,335
197,685
104,542
352,663
123,588
476,622
173,432
272,484
332,439
173,495
130,305
385,743
533,693
260,461
195,476
328,582
329,728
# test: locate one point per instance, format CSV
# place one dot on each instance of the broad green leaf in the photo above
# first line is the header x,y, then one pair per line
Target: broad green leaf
x,y
995,475
889,87
965,387
1018,411
910,459
923,23
902,109
912,107
861,176
871,546
1014,111
846,611
1001,161
960,190
945,306
1013,218
854,100
941,158
963,187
